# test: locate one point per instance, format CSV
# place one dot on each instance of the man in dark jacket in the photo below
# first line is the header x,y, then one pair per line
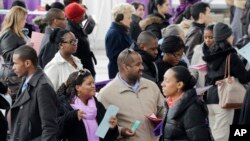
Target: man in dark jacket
x,y
55,18
147,47
33,114
75,14
201,15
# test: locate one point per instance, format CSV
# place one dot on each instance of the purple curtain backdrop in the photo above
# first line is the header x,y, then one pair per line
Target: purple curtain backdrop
x,y
31,5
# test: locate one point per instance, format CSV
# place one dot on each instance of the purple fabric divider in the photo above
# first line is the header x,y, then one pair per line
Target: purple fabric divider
x,y
101,84
31,5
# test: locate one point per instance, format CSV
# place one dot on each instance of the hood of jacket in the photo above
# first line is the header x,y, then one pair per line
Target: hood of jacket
x,y
146,57
154,18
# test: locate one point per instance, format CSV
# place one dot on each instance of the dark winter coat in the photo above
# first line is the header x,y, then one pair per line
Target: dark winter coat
x,y
83,51
3,122
245,109
33,114
155,23
47,53
194,37
187,120
45,40
150,70
117,39
72,129
216,67
9,41
135,29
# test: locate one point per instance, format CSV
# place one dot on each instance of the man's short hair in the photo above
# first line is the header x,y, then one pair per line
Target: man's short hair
x,y
198,8
26,52
51,15
145,37
125,57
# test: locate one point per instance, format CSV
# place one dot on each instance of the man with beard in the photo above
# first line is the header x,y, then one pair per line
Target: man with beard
x,y
147,47
135,97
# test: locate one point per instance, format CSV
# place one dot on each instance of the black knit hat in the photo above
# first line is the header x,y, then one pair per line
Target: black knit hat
x,y
221,32
172,44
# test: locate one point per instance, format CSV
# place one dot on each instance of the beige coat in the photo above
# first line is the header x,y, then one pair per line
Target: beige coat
x,y
134,106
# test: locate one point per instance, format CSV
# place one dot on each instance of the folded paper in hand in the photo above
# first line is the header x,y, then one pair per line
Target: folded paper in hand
x,y
202,90
200,67
153,118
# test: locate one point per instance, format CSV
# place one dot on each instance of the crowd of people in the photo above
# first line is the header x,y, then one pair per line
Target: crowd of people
x,y
52,95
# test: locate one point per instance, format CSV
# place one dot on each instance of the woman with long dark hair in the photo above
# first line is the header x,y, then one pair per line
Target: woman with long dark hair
x,y
158,17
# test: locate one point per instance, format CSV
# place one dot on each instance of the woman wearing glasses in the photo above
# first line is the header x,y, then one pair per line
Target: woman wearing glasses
x,y
80,113
63,63
172,48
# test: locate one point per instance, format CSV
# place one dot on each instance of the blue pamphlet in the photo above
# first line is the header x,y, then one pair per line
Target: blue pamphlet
x,y
104,125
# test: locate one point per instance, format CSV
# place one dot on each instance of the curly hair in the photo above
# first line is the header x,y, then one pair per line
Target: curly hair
x,y
68,88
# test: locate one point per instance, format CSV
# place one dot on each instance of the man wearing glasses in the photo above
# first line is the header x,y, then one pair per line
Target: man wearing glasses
x,y
135,96
55,18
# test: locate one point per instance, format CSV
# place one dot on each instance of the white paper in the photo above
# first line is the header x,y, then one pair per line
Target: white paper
x,y
245,52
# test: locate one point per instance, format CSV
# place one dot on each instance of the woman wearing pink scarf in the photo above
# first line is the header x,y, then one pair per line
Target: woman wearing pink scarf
x,y
80,113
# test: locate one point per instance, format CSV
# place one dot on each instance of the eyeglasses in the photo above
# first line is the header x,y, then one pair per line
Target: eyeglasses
x,y
178,56
82,73
73,42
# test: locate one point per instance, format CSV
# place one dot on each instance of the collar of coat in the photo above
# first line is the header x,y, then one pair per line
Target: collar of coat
x,y
58,58
180,106
122,88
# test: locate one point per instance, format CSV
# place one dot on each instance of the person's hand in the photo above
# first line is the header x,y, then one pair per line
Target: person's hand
x,y
126,132
31,44
113,122
80,114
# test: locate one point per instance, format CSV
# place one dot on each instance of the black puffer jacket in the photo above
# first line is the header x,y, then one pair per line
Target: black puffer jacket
x,y
216,67
155,23
187,120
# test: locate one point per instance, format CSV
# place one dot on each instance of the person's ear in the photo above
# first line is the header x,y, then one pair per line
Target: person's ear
x,y
201,16
27,63
77,87
180,85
